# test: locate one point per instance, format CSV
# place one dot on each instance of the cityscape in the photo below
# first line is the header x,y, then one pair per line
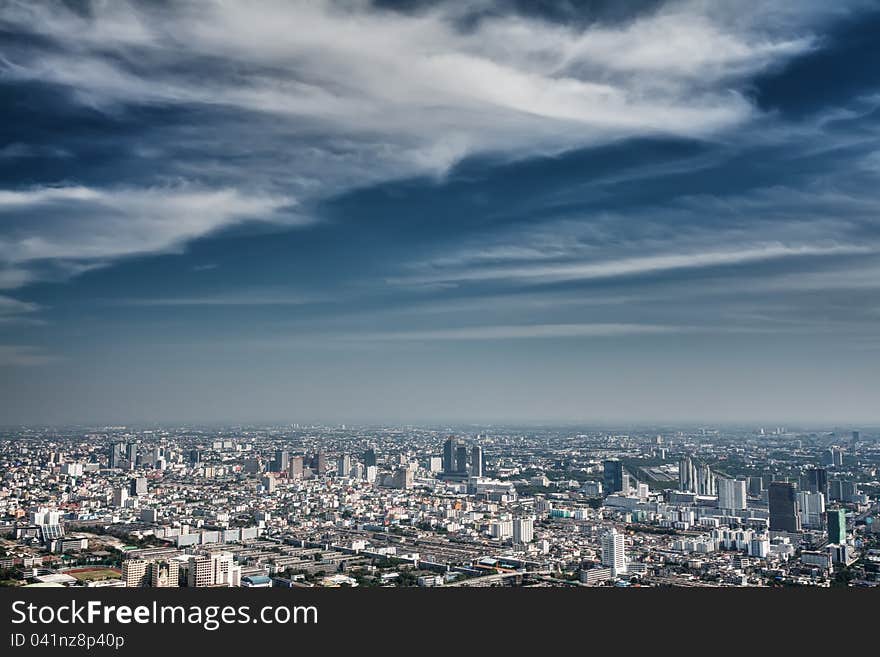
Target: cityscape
x,y
436,294
345,506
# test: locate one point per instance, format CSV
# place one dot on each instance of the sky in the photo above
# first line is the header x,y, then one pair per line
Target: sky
x,y
503,211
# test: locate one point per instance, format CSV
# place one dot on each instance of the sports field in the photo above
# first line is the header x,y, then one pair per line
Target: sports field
x,y
87,574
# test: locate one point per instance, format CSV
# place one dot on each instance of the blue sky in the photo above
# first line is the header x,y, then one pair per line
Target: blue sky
x,y
482,211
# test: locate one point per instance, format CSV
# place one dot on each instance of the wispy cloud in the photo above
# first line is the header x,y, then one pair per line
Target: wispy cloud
x,y
521,332
633,266
79,227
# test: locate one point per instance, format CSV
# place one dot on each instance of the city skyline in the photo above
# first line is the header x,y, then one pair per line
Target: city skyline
x,y
411,212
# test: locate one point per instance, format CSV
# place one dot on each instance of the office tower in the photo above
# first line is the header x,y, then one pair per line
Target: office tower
x,y
477,461
783,507
268,482
343,466
612,476
137,486
295,467
836,519
195,457
165,574
402,478
731,494
116,455
842,491
461,459
817,481
687,475
149,515
435,464
120,495
281,461
523,530
811,507
705,480
370,473
833,457
132,454
449,448
369,457
613,553
625,484
756,486
320,462
134,573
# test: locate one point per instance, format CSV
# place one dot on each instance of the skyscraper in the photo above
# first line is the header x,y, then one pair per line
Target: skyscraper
x,y
449,448
783,507
836,519
687,475
731,494
369,457
295,468
138,486
343,465
320,462
461,459
613,552
477,461
705,480
817,481
281,462
612,476
116,455
523,530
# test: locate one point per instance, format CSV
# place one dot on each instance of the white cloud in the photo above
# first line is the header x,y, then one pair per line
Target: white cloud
x,y
522,332
431,92
80,227
631,266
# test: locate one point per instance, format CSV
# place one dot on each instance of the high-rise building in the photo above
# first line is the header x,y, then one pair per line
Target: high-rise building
x,y
217,569
705,480
816,481
613,552
782,497
477,461
134,573
281,461
343,465
836,519
523,530
295,467
756,486
117,455
612,476
449,448
811,507
369,457
132,454
137,486
195,457
687,475
320,462
731,494
461,459
120,495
